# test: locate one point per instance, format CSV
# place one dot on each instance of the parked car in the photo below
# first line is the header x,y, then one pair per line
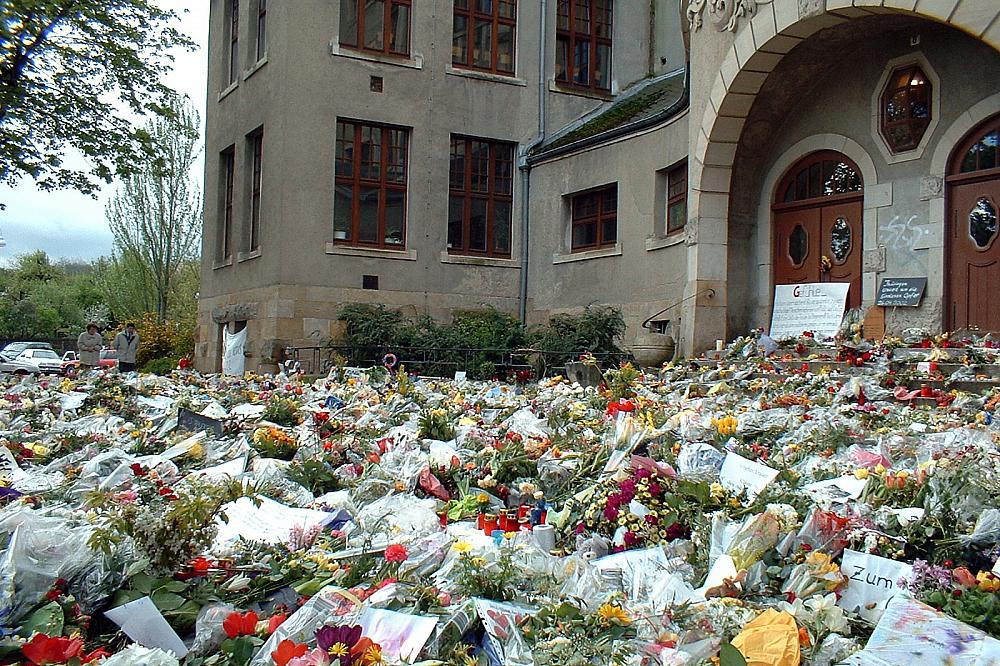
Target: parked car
x,y
70,364
34,362
14,349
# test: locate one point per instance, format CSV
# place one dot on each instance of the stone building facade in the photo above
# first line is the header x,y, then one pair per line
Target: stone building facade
x,y
543,155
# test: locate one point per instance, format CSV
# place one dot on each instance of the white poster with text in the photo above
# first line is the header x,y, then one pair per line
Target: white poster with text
x,y
817,307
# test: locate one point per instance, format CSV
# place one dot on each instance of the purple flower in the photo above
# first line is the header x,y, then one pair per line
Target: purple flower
x,y
615,500
627,486
610,513
9,493
338,641
631,539
655,489
643,473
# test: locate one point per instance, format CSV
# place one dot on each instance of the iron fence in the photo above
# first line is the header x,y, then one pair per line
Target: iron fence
x,y
444,362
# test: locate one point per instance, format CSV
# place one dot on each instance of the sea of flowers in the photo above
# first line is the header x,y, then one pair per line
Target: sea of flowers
x,y
811,505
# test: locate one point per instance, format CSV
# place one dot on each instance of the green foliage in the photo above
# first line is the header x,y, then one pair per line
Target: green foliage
x,y
372,329
156,215
315,475
282,411
39,299
66,68
594,330
478,577
161,366
436,424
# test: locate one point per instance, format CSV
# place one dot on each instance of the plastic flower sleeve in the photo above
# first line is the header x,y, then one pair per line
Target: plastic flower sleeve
x,y
209,634
332,604
136,655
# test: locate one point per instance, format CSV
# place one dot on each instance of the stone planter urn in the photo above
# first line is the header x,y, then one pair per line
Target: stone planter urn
x,y
651,350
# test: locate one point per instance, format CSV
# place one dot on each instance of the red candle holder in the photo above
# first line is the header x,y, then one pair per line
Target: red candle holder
x,y
491,523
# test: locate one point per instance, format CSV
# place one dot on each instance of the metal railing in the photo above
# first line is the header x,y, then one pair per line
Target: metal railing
x,y
443,362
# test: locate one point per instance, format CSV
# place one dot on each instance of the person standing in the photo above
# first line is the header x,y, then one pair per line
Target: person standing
x,y
89,346
126,345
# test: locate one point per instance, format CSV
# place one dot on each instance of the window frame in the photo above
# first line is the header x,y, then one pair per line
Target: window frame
x,y
474,16
678,171
227,172
255,148
383,184
599,218
917,127
571,36
261,29
357,41
492,196
234,43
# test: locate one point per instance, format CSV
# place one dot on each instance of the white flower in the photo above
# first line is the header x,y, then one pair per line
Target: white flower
x,y
794,609
821,603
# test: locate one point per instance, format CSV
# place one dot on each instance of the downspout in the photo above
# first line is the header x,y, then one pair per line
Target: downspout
x,y
526,166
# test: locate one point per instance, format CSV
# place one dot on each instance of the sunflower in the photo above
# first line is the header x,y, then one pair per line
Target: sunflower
x,y
611,614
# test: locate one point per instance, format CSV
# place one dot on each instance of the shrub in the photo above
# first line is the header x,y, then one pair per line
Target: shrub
x,y
161,366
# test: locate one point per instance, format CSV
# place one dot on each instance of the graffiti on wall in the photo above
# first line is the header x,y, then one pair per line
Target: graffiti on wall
x,y
903,238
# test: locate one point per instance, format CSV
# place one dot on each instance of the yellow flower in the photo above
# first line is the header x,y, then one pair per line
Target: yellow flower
x,y
478,561
861,473
611,614
339,650
196,450
880,469
483,498
717,491
461,547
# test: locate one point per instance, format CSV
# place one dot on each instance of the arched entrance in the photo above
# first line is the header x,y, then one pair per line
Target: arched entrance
x,y
973,253
818,232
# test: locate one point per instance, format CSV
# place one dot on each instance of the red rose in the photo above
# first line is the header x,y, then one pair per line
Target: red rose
x,y
396,553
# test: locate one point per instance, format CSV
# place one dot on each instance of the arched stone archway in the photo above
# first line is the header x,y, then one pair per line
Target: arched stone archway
x,y
762,35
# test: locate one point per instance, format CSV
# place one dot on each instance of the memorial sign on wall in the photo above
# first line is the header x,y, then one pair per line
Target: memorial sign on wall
x,y
816,307
901,292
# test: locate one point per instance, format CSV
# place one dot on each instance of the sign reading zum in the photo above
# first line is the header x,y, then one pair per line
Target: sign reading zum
x,y
901,292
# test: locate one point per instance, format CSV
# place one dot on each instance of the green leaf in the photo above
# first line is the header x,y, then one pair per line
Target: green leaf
x,y
167,601
174,586
242,650
142,582
136,567
46,620
730,656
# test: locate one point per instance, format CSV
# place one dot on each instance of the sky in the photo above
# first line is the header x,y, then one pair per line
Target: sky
x,y
67,224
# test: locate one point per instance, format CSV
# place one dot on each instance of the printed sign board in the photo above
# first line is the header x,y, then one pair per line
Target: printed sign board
x,y
901,292
189,421
816,307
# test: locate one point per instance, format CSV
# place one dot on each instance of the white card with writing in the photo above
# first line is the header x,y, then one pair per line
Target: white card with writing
x,y
401,636
871,582
143,622
739,474
9,471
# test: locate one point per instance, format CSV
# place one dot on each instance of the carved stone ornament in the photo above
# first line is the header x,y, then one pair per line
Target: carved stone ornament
x,y
931,187
724,14
238,312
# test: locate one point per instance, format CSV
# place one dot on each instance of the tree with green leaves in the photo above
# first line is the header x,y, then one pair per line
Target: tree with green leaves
x,y
156,215
67,69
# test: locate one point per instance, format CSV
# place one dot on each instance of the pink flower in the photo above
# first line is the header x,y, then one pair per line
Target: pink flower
x,y
610,513
631,539
315,658
655,489
627,487
396,553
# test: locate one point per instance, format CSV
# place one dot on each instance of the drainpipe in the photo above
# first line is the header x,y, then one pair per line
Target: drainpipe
x,y
526,166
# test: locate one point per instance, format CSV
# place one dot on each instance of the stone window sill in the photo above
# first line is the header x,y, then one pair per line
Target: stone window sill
x,y
222,263
660,242
370,252
485,76
564,89
468,260
255,68
415,62
613,251
247,256
227,91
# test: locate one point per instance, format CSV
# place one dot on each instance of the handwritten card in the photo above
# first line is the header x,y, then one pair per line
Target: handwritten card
x,y
501,621
739,474
142,621
871,582
401,636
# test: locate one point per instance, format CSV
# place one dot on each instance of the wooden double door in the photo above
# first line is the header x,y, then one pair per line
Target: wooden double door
x,y
820,243
973,252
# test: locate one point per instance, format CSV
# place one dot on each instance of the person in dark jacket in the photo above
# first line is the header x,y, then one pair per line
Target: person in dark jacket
x,y
126,345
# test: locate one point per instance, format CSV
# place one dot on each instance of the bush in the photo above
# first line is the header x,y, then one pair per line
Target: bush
x,y
372,330
161,366
161,340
